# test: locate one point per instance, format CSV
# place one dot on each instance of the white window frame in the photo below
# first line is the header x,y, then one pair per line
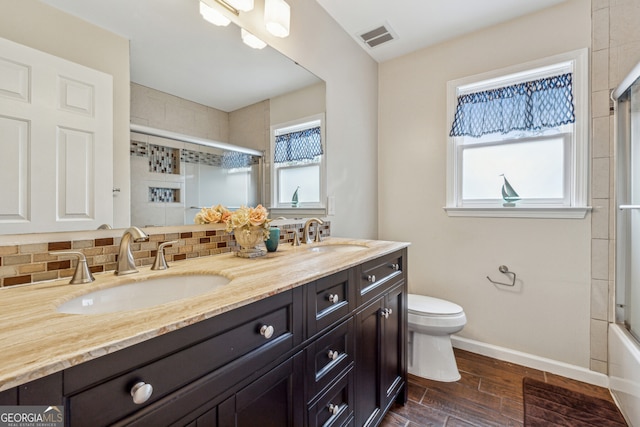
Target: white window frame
x,y
576,163
304,208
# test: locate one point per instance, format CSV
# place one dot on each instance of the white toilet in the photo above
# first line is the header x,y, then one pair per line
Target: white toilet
x,y
431,323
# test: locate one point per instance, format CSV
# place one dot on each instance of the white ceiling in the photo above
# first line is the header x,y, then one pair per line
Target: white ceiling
x,y
175,51
420,23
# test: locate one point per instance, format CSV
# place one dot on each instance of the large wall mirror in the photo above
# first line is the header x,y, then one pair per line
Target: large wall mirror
x,y
198,84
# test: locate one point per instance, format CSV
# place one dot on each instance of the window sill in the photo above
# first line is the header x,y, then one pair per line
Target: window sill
x,y
520,212
296,212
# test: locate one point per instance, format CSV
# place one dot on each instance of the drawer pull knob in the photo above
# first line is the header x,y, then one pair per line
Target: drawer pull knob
x,y
386,312
141,392
371,278
333,355
333,298
395,266
266,331
333,409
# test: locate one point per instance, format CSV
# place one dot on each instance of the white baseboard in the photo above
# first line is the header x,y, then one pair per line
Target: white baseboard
x,y
532,361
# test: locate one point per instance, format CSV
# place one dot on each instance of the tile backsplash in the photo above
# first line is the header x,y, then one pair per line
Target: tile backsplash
x,y
33,262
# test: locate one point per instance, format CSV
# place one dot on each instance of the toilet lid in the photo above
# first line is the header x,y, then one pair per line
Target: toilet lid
x,y
421,304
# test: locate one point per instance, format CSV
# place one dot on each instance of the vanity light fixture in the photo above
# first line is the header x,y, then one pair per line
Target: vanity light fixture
x,y
212,15
277,15
251,40
241,5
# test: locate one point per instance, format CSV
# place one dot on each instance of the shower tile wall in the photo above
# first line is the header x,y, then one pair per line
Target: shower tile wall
x,y
615,49
157,182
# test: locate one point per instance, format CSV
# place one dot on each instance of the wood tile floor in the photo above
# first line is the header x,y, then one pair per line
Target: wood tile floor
x,y
488,394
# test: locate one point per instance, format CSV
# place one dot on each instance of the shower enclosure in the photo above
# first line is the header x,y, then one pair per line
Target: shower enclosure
x,y
628,217
624,334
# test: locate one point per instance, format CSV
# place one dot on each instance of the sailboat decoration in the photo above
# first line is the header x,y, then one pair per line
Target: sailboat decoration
x,y
508,194
294,199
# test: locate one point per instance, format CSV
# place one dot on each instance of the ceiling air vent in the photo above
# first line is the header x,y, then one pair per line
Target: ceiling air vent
x,y
378,36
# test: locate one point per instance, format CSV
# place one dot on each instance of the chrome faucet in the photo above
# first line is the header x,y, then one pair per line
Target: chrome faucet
x,y
307,226
126,264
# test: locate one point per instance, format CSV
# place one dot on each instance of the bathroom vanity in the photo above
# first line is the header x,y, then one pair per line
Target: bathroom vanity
x,y
307,336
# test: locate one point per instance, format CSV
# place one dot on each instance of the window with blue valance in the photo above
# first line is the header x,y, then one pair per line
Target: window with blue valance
x,y
532,105
299,145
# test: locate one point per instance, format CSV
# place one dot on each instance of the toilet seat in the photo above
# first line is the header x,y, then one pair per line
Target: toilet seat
x,y
422,305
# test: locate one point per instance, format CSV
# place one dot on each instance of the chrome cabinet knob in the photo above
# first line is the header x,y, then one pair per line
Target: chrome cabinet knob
x,y
333,409
333,355
266,331
371,278
386,312
395,266
333,298
141,392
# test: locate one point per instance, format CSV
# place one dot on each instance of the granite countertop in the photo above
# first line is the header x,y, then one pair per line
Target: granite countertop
x,y
37,341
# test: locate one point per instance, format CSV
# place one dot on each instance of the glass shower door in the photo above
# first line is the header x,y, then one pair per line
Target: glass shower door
x,y
628,219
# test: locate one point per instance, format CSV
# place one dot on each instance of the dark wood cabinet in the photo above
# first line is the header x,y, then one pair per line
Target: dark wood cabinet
x,y
381,334
328,353
274,400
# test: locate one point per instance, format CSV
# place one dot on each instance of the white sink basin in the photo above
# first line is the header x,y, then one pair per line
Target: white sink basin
x,y
142,294
337,247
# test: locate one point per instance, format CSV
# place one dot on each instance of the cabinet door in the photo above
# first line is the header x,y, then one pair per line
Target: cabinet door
x,y
368,362
272,401
394,357
380,356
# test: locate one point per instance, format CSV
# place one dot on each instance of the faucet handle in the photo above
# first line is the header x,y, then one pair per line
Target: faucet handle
x,y
160,263
296,238
82,274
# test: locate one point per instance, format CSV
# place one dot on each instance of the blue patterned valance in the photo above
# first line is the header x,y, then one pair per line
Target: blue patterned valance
x,y
304,144
234,159
532,105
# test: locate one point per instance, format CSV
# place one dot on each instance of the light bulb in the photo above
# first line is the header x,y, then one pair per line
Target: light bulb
x,y
251,40
213,16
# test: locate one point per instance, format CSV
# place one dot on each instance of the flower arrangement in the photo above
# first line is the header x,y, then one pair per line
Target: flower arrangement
x,y
243,219
212,215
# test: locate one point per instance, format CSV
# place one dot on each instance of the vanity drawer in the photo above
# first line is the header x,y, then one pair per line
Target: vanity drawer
x,y
328,356
328,300
112,400
334,407
380,274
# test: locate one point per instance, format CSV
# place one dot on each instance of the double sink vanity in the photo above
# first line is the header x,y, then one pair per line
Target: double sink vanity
x,y
310,335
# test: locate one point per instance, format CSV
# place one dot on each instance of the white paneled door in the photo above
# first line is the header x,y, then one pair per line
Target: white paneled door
x,y
56,143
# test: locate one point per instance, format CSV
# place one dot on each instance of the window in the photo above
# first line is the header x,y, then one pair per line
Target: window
x,y
518,140
298,164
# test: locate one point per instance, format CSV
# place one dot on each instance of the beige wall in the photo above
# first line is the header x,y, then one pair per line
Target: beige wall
x,y
41,27
299,104
547,313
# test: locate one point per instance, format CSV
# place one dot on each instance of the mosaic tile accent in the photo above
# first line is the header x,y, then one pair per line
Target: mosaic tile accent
x,y
139,149
228,159
30,263
164,195
198,157
163,159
